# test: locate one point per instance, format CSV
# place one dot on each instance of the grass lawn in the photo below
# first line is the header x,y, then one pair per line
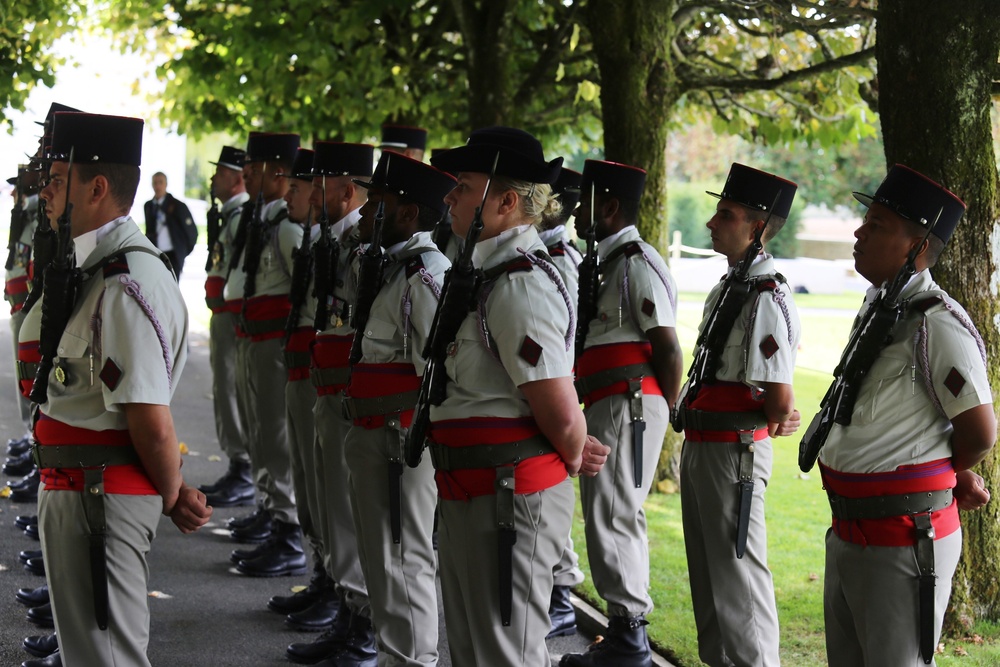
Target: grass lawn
x,y
797,516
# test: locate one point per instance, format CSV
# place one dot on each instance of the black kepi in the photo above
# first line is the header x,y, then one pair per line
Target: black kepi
x,y
231,158
412,180
96,139
335,158
403,136
913,196
271,147
758,189
613,178
520,158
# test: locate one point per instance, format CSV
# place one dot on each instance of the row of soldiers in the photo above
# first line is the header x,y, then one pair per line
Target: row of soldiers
x,y
342,343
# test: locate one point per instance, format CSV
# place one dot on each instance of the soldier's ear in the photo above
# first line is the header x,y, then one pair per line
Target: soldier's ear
x,y
98,189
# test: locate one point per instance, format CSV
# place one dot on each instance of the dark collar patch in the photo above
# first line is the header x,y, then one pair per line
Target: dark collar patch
x,y
954,382
530,351
111,374
769,346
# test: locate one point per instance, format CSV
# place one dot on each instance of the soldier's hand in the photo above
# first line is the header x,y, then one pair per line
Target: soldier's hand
x,y
970,491
191,510
595,455
787,427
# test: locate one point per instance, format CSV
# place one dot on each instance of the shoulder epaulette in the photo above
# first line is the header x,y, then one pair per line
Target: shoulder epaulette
x,y
926,304
558,249
115,265
632,248
413,265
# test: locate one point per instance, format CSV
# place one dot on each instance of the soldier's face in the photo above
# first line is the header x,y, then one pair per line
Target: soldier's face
x,y
883,242
582,220
54,195
224,179
159,185
297,198
391,234
732,233
463,200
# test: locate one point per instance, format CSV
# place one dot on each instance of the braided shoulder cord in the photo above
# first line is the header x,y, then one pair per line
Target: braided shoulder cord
x,y
553,274
969,326
133,290
922,360
779,298
96,325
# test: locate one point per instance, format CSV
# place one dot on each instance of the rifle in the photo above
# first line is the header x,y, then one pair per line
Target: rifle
x,y
43,249
214,224
240,240
302,266
589,283
461,288
369,280
867,341
735,291
18,218
442,232
254,247
326,253
62,279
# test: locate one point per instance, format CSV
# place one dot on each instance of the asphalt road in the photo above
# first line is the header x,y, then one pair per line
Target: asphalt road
x,y
203,613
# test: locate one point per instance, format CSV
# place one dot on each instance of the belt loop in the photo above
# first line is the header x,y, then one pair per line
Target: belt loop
x,y
506,539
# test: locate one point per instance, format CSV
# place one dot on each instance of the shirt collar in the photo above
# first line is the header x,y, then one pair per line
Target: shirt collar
x,y
484,249
84,244
608,244
556,232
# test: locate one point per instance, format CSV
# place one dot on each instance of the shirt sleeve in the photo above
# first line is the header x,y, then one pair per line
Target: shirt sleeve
x,y
957,372
650,301
772,341
528,320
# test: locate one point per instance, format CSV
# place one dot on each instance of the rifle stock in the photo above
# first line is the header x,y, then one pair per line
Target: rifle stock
x,y
326,257
214,227
588,285
302,268
369,282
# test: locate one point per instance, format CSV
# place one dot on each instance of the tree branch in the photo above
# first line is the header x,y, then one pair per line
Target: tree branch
x,y
745,84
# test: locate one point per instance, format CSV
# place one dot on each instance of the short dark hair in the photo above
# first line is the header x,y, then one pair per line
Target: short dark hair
x,y
427,217
935,246
123,180
629,208
774,224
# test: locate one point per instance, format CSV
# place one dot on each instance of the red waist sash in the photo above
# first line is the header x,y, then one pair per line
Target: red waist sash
x,y
214,286
331,351
724,397
266,316
130,480
530,476
15,291
297,350
893,531
27,353
376,380
600,358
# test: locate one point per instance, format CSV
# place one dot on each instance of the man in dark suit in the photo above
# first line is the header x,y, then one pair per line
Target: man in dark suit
x,y
169,224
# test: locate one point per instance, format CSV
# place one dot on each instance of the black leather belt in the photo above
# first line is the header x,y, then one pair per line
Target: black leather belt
x,y
325,377
358,408
703,420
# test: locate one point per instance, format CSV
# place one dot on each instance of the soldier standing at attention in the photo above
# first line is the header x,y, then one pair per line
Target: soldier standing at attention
x,y
337,199
393,508
509,428
236,486
897,459
738,396
627,378
105,436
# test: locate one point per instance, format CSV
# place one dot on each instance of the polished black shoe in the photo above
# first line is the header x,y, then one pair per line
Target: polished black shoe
x,y
357,649
18,466
33,597
243,521
309,653
18,446
35,566
54,660
24,520
625,645
236,555
41,646
42,616
32,532
27,483
302,600
562,615
256,532
284,558
21,496
319,616
28,554
236,487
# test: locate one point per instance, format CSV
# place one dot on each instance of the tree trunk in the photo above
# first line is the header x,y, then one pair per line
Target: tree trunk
x,y
485,26
936,62
631,42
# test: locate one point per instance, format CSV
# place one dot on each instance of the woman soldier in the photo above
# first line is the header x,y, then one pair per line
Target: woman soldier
x,y
510,427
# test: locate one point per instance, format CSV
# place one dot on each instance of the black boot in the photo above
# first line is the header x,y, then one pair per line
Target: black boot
x,y
243,521
358,649
234,488
41,646
302,600
54,660
309,653
35,566
562,615
33,597
27,483
625,645
42,616
258,531
318,616
249,554
18,446
285,558
22,521
18,466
